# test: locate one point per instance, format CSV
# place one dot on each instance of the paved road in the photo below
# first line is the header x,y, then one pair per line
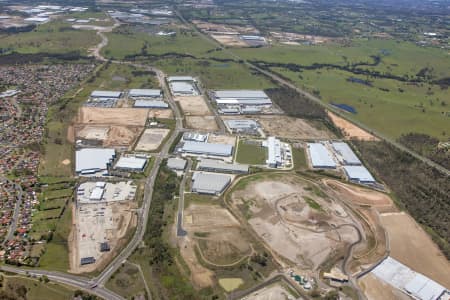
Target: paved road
x,y
72,280
13,225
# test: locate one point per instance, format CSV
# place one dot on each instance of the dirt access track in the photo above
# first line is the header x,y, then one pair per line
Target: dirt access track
x,y
412,246
294,217
350,130
292,128
218,238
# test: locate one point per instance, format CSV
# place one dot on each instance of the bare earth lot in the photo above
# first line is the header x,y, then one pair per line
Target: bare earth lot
x,y
193,105
203,123
112,116
271,292
350,130
160,113
222,139
291,128
376,289
229,40
413,247
151,139
111,136
295,220
216,235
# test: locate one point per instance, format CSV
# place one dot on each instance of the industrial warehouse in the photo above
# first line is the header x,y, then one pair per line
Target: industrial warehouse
x,y
358,174
90,192
131,163
208,149
183,85
320,156
145,93
345,154
106,94
144,103
93,161
408,281
177,164
240,126
278,154
241,101
207,183
212,165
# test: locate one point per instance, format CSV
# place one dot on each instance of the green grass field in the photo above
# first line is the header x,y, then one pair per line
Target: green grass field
x,y
251,154
128,41
127,282
33,289
399,108
53,37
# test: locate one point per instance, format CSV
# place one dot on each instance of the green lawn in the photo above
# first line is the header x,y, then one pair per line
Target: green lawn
x,y
299,157
251,154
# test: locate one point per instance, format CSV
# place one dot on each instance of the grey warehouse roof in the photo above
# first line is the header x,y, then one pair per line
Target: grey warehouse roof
x,y
207,148
359,173
180,78
182,87
320,156
144,93
106,94
253,94
210,183
176,163
150,103
93,158
212,164
133,163
347,154
242,124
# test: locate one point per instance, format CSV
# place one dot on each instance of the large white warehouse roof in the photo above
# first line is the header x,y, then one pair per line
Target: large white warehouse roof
x,y
150,104
144,93
210,183
358,173
207,148
320,156
106,94
131,163
93,159
346,153
241,94
220,166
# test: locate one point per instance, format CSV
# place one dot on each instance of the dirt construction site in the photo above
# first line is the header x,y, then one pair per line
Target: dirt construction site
x,y
295,218
350,130
151,139
216,236
112,127
96,223
197,113
291,128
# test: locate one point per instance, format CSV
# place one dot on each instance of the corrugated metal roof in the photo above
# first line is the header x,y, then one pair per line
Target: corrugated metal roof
x,y
176,163
150,103
403,278
346,153
247,101
207,148
242,124
320,156
210,183
180,78
144,93
212,164
133,163
359,173
106,94
182,87
240,94
93,158
274,151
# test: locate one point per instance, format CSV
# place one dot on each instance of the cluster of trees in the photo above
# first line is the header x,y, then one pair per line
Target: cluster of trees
x,y
20,58
427,146
419,189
